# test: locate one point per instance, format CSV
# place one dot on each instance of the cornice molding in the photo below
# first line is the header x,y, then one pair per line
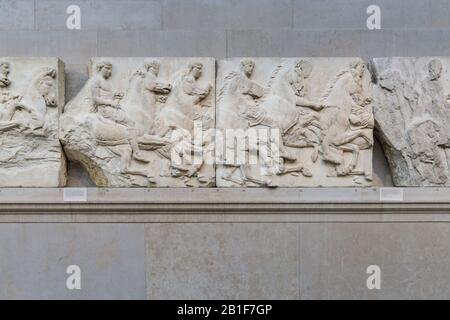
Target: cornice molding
x,y
225,205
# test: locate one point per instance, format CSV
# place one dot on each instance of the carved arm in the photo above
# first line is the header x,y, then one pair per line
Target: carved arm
x,y
303,102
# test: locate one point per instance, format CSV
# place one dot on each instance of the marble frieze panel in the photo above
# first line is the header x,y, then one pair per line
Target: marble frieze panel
x,y
31,98
412,114
288,122
135,122
312,119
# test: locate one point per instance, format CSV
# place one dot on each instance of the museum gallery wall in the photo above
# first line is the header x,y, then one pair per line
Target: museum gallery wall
x,y
240,122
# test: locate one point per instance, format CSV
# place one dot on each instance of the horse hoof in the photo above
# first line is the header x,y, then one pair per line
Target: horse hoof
x,y
269,184
306,173
139,157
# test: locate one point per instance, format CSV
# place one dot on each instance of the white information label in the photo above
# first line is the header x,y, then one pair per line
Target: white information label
x,y
391,194
75,194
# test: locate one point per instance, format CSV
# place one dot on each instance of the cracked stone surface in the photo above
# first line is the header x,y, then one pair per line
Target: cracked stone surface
x,y
412,115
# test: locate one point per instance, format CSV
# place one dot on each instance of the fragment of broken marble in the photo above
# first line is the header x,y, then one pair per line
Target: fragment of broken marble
x,y
144,122
31,98
298,122
412,114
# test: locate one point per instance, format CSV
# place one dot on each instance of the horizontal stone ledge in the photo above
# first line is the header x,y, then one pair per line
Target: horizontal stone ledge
x,y
224,205
217,198
222,208
404,215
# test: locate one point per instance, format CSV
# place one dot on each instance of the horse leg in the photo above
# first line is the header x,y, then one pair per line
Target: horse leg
x,y
125,165
228,176
196,167
7,127
347,145
246,177
125,161
348,137
303,170
183,164
179,170
354,149
125,157
327,144
299,168
255,180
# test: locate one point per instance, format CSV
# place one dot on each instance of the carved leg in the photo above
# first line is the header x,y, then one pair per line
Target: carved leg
x,y
354,149
189,171
194,170
196,167
125,154
301,169
187,167
347,137
251,179
228,176
125,161
133,140
259,182
7,127
327,153
315,154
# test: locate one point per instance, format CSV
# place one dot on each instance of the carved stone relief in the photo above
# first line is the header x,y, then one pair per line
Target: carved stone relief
x,y
144,122
312,117
412,113
150,122
31,97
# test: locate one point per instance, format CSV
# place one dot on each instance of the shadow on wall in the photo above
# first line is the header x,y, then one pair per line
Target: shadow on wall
x,y
78,177
381,172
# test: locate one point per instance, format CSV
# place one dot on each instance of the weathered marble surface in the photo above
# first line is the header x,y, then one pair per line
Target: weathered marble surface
x,y
319,114
136,121
31,98
411,108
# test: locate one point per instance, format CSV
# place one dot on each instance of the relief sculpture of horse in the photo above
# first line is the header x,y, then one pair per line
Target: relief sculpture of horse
x,y
338,133
30,110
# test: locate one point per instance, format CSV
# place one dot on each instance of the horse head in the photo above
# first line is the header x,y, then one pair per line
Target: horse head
x,y
45,84
279,85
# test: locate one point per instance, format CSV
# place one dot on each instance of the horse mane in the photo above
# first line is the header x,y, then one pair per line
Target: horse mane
x,y
33,89
332,85
226,84
274,74
45,71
